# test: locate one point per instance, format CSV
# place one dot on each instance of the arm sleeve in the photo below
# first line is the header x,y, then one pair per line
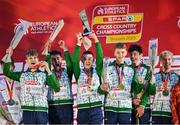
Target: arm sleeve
x,y
12,75
75,62
99,58
145,90
100,91
68,64
151,88
48,60
136,85
144,99
53,82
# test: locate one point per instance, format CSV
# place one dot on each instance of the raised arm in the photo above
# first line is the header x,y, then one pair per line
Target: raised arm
x,y
7,71
76,57
99,54
51,78
67,57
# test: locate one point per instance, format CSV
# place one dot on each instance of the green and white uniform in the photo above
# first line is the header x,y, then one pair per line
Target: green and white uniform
x,y
120,100
33,94
64,96
143,71
161,105
8,112
86,98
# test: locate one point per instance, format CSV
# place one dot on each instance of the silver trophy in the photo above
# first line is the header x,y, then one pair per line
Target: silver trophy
x,y
105,74
105,70
153,49
85,22
53,36
86,30
153,61
20,30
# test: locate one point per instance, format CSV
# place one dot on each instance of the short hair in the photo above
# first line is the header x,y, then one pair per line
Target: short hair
x,y
31,52
163,54
86,53
55,52
120,46
134,47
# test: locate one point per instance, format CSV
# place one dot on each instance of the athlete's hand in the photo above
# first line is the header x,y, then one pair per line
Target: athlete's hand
x,y
93,36
48,44
80,39
139,111
136,101
45,65
9,51
104,86
62,45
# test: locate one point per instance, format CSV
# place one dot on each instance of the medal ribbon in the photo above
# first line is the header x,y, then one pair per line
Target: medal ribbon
x,y
138,68
58,75
165,80
120,76
139,95
10,89
89,75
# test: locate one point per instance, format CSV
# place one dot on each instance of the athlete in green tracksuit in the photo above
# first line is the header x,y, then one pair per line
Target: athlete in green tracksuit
x,y
120,83
62,101
88,80
141,103
33,83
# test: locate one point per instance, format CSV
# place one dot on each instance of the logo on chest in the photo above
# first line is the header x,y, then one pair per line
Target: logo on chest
x,y
32,82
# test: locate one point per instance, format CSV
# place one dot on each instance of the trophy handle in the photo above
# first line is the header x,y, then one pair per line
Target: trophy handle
x,y
45,51
6,58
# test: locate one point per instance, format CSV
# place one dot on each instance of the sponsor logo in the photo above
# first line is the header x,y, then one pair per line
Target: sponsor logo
x,y
38,27
43,27
21,26
116,23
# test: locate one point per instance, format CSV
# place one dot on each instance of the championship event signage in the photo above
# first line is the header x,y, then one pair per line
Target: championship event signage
x,y
131,22
43,27
116,23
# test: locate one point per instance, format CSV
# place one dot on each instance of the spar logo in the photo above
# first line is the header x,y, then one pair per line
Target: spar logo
x,y
178,23
116,23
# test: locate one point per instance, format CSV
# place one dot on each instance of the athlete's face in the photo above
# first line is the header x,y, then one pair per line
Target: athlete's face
x,y
56,61
32,60
135,57
167,62
120,54
88,61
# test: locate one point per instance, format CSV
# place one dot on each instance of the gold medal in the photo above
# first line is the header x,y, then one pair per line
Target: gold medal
x,y
121,86
165,93
10,92
90,88
90,83
11,102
